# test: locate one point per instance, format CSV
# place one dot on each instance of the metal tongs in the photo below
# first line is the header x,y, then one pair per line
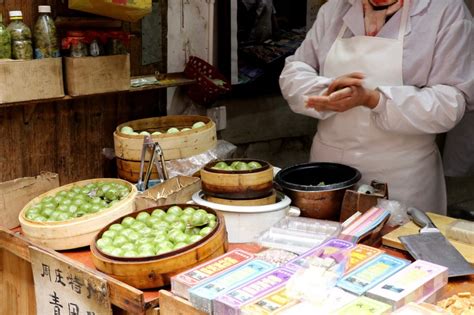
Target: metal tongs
x,y
149,144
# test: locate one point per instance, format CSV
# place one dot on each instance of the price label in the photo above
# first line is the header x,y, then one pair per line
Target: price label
x,y
63,289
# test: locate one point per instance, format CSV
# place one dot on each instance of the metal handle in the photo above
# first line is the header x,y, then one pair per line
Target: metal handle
x,y
420,218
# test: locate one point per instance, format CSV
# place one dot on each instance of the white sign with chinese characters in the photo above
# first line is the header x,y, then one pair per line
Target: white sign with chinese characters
x,y
62,289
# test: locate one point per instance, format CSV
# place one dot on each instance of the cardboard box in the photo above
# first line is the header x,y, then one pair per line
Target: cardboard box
x,y
94,75
364,306
177,190
26,80
15,194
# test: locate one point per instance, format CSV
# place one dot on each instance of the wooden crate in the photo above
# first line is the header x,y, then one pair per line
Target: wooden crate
x,y
93,75
26,80
17,286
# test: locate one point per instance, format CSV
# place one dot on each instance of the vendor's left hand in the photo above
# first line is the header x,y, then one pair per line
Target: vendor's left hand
x,y
344,99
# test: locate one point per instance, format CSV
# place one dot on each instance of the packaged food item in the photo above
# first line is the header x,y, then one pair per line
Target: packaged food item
x,y
410,284
420,309
181,283
5,41
334,299
231,302
461,231
271,304
364,306
372,273
359,255
298,235
76,43
22,46
45,37
333,246
117,43
275,256
202,295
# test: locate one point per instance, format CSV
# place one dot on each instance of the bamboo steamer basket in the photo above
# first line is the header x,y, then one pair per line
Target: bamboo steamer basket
x,y
130,170
156,271
175,146
76,232
249,184
268,200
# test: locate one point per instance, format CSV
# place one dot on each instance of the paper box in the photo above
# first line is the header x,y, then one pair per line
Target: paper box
x,y
420,309
178,189
26,80
231,302
15,194
126,10
333,246
94,75
410,284
364,306
181,283
271,304
360,255
202,295
369,275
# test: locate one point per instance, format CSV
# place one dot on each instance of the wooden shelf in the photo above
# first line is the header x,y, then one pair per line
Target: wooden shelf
x,y
167,80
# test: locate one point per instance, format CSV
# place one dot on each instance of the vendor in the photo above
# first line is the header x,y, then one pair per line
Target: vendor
x,y
384,77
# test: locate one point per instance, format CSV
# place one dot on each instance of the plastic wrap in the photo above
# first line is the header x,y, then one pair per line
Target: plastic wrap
x,y
398,211
189,166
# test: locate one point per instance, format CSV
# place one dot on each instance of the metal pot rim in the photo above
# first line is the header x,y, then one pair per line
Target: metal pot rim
x,y
305,188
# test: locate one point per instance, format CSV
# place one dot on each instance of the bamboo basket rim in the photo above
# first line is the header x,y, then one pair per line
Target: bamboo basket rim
x,y
208,124
75,221
208,166
148,259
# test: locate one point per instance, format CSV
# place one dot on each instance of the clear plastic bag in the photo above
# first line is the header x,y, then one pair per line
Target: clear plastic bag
x,y
398,211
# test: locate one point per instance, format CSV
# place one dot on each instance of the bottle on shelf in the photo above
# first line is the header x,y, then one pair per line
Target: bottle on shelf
x,y
45,37
22,47
5,41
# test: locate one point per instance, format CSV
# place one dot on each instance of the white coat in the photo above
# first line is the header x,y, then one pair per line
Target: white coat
x,y
437,72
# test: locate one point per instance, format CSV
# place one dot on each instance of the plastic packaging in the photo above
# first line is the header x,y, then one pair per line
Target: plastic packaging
x,y
5,41
22,46
45,37
462,231
76,43
398,212
298,235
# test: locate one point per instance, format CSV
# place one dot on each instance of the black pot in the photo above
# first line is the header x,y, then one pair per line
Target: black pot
x,y
317,188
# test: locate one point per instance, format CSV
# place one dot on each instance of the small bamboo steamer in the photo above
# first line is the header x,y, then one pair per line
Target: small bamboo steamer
x,y
153,272
130,170
251,184
175,146
77,232
269,200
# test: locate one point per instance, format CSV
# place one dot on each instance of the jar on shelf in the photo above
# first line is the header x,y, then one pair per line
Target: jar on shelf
x,y
45,38
76,43
117,43
5,41
97,42
22,46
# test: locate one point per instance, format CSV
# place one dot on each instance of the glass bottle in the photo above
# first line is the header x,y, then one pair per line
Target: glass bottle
x,y
5,41
45,38
22,47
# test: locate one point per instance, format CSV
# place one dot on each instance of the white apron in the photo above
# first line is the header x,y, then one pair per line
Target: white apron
x,y
410,164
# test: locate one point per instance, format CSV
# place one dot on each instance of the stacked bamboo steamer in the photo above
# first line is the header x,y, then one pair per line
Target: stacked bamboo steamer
x,y
77,232
253,187
183,144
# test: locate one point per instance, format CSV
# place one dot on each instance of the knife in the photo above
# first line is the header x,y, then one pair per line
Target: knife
x,y
430,245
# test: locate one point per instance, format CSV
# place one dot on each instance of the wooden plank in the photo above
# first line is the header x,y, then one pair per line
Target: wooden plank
x,y
442,222
171,304
121,294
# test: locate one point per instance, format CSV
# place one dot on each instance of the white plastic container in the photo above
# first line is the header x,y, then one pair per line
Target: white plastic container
x,y
245,223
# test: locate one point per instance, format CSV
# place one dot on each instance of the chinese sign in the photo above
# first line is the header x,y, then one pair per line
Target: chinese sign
x,y
62,289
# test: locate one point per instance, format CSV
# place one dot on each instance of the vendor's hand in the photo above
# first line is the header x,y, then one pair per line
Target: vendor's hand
x,y
351,79
344,99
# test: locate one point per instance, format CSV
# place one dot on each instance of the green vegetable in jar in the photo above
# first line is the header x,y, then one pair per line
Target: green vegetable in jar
x,y
45,38
5,41
22,47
